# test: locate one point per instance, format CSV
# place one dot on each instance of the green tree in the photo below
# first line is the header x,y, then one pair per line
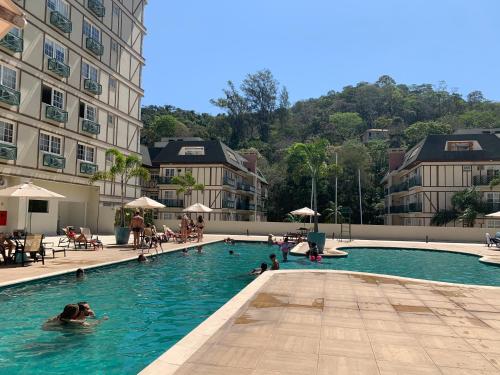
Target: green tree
x,y
344,126
187,184
419,130
124,168
331,211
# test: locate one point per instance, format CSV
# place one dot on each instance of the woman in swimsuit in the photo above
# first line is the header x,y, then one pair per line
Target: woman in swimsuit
x,y
137,225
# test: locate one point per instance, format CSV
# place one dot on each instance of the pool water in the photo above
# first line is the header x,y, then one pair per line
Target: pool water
x,y
153,305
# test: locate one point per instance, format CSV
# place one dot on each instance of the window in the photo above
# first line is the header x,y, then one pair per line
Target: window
x,y
114,45
463,146
169,194
112,84
85,153
169,172
191,150
8,77
55,50
90,72
52,97
109,158
60,6
6,132
50,143
88,112
493,223
91,31
39,206
111,120
493,197
116,10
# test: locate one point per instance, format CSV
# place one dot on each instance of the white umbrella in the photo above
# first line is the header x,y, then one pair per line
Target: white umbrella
x,y
144,202
197,207
494,214
28,190
305,211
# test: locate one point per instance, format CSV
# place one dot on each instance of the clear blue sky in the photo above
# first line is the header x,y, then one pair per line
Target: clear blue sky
x,y
313,46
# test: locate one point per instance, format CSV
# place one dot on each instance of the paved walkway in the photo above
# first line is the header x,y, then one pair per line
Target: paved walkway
x,y
306,323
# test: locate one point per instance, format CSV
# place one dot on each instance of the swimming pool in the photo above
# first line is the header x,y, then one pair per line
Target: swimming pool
x,y
151,306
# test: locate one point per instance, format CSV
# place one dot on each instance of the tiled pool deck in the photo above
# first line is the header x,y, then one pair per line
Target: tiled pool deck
x,y
327,322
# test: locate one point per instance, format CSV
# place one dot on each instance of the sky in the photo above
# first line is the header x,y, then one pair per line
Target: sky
x,y
193,47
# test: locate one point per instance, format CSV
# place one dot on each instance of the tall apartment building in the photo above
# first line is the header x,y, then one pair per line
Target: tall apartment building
x,y
235,188
70,88
423,180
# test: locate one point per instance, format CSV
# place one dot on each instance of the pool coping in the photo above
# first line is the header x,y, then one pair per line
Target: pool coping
x,y
177,355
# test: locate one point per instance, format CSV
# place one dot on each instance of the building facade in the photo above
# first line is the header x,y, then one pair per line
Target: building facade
x,y
375,135
234,187
422,181
70,88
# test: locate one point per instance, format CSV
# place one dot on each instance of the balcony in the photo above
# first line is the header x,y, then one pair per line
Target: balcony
x,y
414,181
415,207
228,181
97,8
9,96
482,180
397,209
61,22
58,67
491,207
226,203
94,46
91,127
245,187
56,114
251,207
242,206
12,42
172,202
54,161
87,168
8,152
165,180
92,86
403,186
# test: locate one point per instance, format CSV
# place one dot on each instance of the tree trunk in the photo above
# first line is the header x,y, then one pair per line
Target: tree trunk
x,y
315,205
122,204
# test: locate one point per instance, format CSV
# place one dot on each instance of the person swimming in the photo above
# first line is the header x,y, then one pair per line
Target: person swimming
x,y
142,258
231,252
259,271
199,249
184,253
275,266
80,273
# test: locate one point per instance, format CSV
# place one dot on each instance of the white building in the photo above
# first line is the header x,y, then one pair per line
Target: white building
x,y
70,88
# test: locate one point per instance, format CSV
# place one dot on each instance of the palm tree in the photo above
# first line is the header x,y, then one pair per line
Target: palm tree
x,y
124,168
290,218
187,184
331,212
466,207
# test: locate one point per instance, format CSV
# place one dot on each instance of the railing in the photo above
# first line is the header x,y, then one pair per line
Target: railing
x,y
61,22
228,181
56,114
482,180
228,203
92,86
59,67
172,202
397,209
245,187
12,42
415,207
8,152
165,180
414,181
91,127
491,207
97,8
87,168
242,206
251,207
9,96
54,161
403,186
94,46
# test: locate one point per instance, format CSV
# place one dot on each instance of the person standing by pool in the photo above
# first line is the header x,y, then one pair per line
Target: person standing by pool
x,y
285,248
275,266
200,224
137,225
184,227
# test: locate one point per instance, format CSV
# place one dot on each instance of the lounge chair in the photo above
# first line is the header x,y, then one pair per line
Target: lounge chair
x,y
171,234
33,245
85,237
149,240
68,239
492,241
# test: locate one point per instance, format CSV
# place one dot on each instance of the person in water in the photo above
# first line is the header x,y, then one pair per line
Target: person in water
x,y
199,249
231,252
142,258
259,271
275,266
185,253
285,248
80,273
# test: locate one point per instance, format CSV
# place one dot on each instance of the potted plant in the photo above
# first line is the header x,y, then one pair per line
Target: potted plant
x,y
124,168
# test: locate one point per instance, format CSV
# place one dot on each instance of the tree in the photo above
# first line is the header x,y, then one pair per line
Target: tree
x,y
312,161
187,184
419,130
344,126
124,168
468,204
333,211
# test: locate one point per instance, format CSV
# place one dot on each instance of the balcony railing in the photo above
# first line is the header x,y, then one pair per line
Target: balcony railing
x,y
56,114
415,207
94,46
54,161
251,207
228,181
12,42
8,152
88,168
91,127
414,181
491,207
397,209
59,67
245,187
9,96
403,186
93,86
242,206
172,202
482,180
228,203
97,8
61,22
165,180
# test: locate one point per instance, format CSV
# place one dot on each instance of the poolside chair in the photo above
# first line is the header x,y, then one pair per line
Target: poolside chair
x,y
492,241
171,234
149,239
85,238
32,245
68,238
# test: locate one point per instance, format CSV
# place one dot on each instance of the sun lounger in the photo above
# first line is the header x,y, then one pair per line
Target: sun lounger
x,y
85,238
492,241
32,245
171,234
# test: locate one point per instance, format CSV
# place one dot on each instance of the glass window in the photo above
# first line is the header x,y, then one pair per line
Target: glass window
x,y
6,132
112,84
90,72
170,172
8,77
54,50
57,99
90,113
50,143
60,6
91,31
85,153
44,142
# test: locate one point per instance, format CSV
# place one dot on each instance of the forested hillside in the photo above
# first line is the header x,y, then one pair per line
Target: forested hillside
x,y
259,114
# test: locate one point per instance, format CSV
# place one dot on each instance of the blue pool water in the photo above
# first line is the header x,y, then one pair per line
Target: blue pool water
x,y
151,306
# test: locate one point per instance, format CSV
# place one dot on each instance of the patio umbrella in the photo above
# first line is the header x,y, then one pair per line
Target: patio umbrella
x,y
28,190
197,207
144,202
494,214
305,211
